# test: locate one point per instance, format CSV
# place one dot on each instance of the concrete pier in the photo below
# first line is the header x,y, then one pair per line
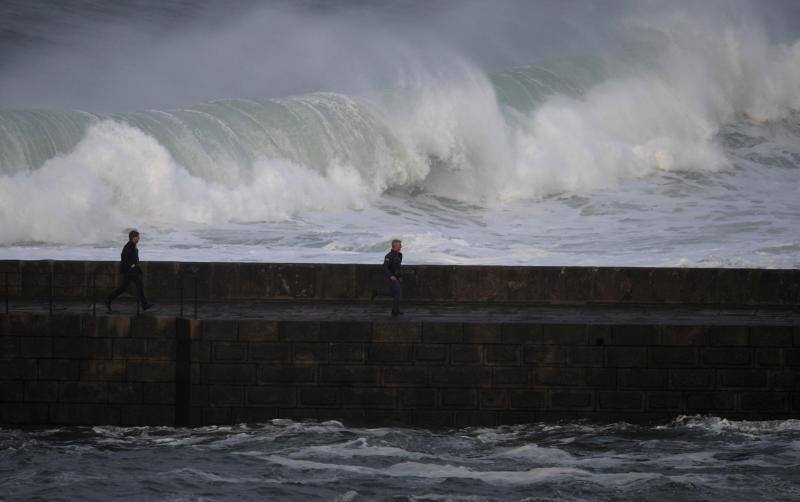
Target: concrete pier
x,y
477,346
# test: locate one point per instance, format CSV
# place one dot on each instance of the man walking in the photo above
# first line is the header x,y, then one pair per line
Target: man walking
x,y
131,272
391,269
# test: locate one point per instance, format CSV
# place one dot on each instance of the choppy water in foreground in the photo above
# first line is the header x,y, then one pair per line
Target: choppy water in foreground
x,y
690,459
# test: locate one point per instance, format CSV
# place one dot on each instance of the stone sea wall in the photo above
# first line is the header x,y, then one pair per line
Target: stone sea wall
x,y
121,370
422,283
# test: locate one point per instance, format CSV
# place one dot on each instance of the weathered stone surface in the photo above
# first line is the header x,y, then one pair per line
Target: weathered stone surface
x,y
347,352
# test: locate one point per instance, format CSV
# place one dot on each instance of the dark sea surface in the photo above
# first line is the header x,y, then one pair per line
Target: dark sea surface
x,y
692,458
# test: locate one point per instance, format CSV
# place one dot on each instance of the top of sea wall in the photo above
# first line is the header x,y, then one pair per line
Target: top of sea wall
x,y
421,283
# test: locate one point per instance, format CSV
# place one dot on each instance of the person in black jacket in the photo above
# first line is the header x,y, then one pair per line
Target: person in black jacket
x,y
131,272
392,270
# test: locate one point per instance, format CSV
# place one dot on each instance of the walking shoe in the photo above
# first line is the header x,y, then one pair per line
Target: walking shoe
x,y
374,294
107,303
148,306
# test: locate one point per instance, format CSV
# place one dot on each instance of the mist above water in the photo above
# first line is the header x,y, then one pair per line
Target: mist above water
x,y
325,117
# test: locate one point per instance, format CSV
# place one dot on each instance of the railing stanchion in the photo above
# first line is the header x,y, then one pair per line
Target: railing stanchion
x,y
94,295
7,292
180,292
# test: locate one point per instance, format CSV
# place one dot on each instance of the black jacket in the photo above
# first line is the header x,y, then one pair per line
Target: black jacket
x,y
391,264
130,259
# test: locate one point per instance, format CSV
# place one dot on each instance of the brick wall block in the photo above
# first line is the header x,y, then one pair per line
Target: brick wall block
x,y
587,356
545,355
416,398
151,371
310,352
35,346
319,396
571,400
691,378
230,351
726,357
521,333
493,399
258,331
600,377
461,376
514,376
228,373
82,348
143,414
430,352
103,370
684,335
625,357
83,392
271,396
59,369
405,375
368,397
635,335
503,354
226,395
271,352
158,393
347,352
465,353
560,376
771,336
388,352
39,391
704,402
289,374
126,392
764,401
482,333
564,334
642,378
18,369
668,401
743,378
730,336
620,400
672,357
84,414
442,332
397,332
348,374
459,398
769,357
528,399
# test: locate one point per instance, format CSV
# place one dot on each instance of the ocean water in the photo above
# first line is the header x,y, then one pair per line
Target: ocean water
x,y
594,133
692,458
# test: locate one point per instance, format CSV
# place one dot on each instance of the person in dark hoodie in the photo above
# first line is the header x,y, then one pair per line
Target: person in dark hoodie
x,y
392,270
131,272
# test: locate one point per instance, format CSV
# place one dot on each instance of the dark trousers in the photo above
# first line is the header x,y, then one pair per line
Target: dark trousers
x,y
394,291
127,280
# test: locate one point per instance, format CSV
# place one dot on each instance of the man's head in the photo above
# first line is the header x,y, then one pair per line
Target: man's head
x,y
397,245
133,236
